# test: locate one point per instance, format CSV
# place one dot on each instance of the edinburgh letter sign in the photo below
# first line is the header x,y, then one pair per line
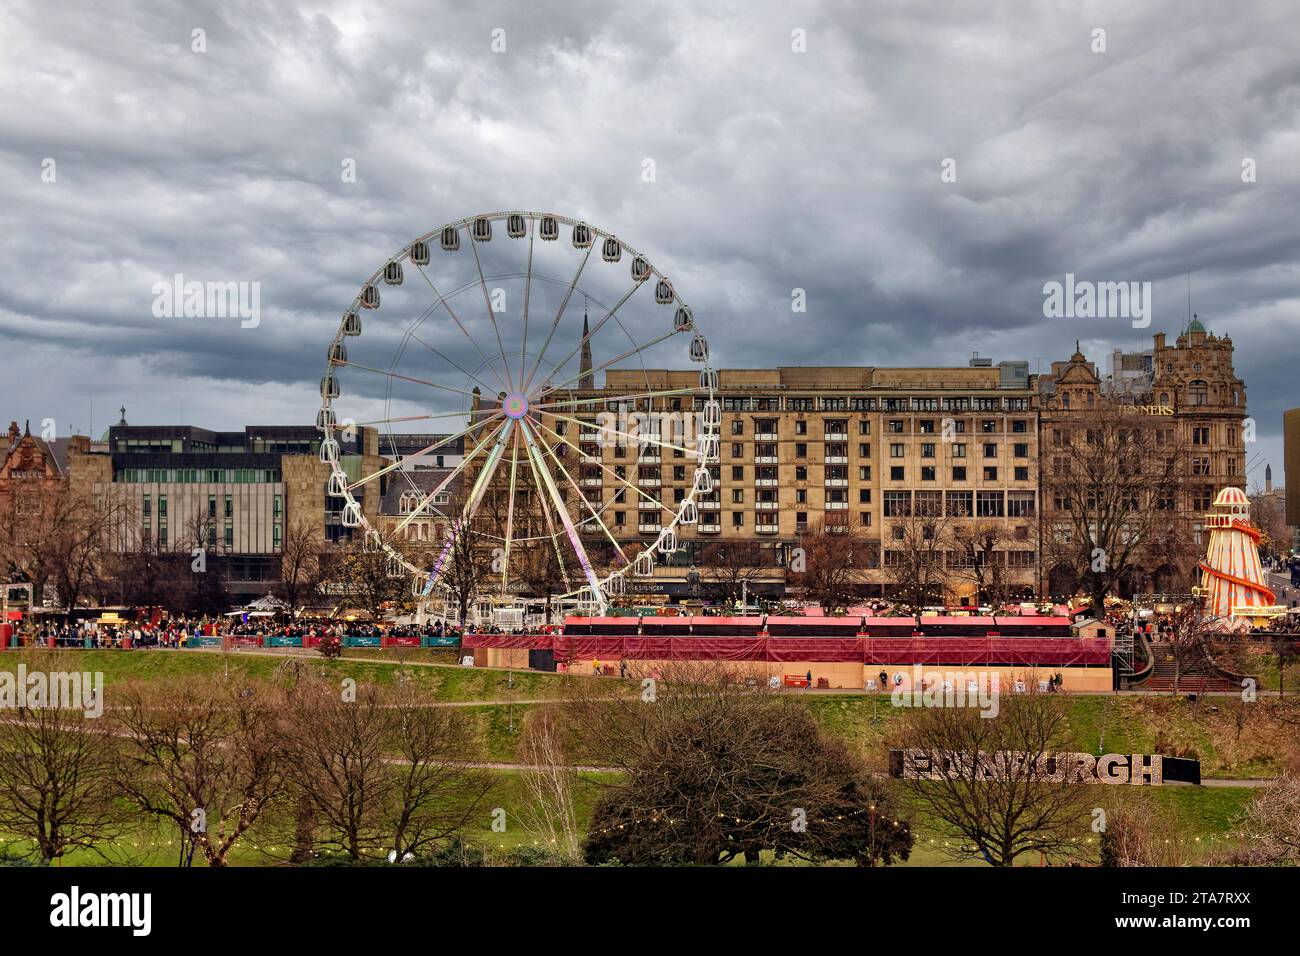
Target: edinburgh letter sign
x,y
1136,770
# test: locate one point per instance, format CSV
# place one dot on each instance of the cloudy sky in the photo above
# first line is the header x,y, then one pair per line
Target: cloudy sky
x,y
773,168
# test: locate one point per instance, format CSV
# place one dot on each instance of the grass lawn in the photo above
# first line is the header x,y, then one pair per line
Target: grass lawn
x,y
1229,741
1201,816
446,682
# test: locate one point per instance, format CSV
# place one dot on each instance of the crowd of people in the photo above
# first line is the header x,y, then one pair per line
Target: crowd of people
x,y
186,632
181,632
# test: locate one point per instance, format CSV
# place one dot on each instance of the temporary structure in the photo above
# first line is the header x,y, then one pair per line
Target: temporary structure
x,y
1231,575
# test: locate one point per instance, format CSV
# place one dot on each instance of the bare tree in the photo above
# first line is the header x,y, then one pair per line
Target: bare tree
x,y
194,574
375,773
77,544
916,553
1134,832
1268,514
730,569
1168,557
337,753
991,793
56,781
979,558
551,783
472,553
827,563
430,788
540,570
1186,639
365,576
1110,481
1271,821
30,517
206,755
53,536
300,564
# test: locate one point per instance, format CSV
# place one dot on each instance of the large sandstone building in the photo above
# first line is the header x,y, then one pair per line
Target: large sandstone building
x,y
805,447
1197,407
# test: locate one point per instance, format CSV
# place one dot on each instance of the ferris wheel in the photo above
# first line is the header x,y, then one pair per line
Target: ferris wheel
x,y
523,345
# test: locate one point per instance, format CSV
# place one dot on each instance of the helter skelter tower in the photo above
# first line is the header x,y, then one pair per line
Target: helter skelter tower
x,y
1231,575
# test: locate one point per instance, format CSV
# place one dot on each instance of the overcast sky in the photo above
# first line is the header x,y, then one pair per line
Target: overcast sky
x,y
774,169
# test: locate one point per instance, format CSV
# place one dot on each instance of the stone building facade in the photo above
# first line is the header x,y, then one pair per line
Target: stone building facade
x,y
1197,404
801,447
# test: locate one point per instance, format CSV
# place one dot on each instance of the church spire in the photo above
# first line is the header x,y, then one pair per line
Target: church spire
x,y
586,378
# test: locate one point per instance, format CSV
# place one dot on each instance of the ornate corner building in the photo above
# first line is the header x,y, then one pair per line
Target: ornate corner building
x,y
1197,404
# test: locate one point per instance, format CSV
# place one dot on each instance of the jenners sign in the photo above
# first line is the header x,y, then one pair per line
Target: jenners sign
x,y
1134,769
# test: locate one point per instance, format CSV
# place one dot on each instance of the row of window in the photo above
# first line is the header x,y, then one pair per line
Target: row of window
x,y
214,476
959,473
990,449
959,504
228,506
828,403
411,500
1200,498
162,539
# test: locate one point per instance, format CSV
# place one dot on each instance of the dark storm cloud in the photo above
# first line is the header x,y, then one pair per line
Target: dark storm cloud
x,y
776,170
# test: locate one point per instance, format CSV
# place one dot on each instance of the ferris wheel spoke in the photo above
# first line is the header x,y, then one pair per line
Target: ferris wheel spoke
x,y
635,439
617,358
603,467
424,451
442,485
569,403
554,535
510,512
559,313
597,327
442,300
487,301
539,466
409,418
467,514
406,378
490,466
448,360
550,450
528,291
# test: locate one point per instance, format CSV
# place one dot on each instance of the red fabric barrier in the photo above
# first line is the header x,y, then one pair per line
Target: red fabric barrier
x,y
962,651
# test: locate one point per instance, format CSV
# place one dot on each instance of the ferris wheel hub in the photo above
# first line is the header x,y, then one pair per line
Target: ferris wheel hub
x,y
515,406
